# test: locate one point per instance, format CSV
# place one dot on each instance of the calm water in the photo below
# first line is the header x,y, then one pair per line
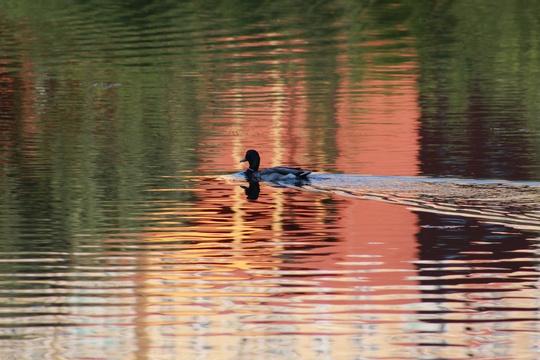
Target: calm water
x,y
125,232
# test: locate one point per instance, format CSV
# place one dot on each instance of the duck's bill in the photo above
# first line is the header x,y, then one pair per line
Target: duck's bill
x,y
243,160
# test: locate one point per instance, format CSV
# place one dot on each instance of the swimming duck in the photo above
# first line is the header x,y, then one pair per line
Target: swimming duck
x,y
278,173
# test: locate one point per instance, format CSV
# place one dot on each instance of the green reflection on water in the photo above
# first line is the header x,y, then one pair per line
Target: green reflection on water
x,y
102,100
113,113
478,62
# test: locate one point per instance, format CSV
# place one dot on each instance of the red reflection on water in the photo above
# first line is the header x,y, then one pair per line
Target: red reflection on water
x,y
289,246
377,131
354,128
375,126
320,238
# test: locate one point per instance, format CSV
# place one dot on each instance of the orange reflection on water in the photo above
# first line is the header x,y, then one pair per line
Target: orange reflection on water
x,y
280,113
377,132
292,262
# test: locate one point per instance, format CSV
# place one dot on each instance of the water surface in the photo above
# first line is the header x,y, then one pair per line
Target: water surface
x,y
125,232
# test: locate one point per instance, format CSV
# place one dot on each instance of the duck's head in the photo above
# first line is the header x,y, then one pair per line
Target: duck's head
x,y
253,158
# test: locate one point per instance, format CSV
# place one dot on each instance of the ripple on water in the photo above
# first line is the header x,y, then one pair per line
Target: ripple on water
x,y
287,268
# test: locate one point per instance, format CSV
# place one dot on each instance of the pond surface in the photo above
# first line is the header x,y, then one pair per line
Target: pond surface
x,y
127,230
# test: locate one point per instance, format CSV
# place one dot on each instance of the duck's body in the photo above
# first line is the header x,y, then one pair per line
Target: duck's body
x,y
278,173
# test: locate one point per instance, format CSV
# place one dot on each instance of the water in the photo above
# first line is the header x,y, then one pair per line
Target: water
x,y
125,232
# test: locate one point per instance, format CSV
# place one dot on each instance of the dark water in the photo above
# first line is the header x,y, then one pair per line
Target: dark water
x,y
125,232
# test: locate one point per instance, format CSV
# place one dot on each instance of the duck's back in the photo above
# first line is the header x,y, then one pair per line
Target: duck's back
x,y
282,173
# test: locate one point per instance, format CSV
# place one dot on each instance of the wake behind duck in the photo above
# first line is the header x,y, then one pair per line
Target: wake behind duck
x,y
510,202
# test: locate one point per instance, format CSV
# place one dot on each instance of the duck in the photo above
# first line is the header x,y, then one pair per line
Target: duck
x,y
273,174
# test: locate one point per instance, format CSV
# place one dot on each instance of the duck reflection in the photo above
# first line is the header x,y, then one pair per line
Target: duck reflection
x,y
252,191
